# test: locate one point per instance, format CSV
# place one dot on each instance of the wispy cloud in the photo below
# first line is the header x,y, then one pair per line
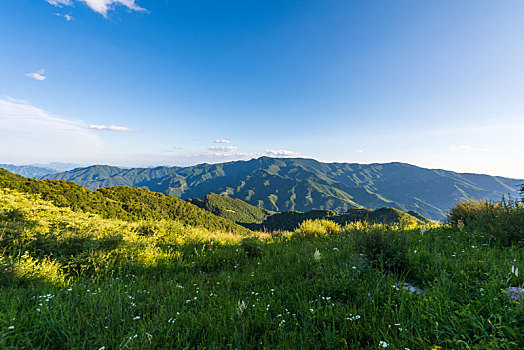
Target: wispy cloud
x,y
222,148
60,3
100,6
281,153
110,128
66,16
27,130
222,141
39,75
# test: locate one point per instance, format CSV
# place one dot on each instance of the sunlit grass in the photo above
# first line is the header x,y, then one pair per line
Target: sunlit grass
x,y
74,280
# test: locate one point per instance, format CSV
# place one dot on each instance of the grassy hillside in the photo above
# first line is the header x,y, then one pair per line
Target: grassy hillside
x,y
76,280
126,203
290,220
278,184
232,209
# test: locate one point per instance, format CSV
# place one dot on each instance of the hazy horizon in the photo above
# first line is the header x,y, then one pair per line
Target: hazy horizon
x,y
130,166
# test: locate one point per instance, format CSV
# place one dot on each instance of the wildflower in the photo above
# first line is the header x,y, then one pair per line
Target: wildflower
x,y
515,271
317,256
241,308
383,344
102,348
136,318
11,327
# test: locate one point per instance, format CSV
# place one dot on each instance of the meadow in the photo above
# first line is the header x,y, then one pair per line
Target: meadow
x,y
76,280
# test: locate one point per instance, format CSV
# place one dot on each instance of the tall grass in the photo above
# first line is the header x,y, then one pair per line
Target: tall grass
x,y
88,282
503,221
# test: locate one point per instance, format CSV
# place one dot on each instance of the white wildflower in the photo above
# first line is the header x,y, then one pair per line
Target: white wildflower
x,y
241,308
317,256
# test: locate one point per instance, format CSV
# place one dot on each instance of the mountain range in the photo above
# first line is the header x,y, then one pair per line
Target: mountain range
x,y
39,170
284,184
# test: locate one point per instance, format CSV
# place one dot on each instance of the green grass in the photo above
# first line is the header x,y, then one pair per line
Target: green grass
x,y
76,280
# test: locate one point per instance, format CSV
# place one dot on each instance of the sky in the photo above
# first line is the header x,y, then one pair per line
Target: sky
x,y
436,83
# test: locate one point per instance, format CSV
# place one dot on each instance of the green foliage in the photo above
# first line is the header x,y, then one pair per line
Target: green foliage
x,y
125,203
252,246
232,209
91,282
291,220
304,184
503,221
317,228
386,248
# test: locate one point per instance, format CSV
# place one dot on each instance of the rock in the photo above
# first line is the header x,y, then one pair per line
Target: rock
x,y
413,289
410,288
514,293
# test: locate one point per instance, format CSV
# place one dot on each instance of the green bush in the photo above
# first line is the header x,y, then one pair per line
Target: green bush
x,y
383,248
252,246
317,228
503,221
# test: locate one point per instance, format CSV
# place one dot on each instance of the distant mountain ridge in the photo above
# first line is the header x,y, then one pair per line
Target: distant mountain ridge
x,y
284,184
39,170
29,170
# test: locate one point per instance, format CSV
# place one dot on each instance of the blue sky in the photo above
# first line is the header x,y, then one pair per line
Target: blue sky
x,y
438,84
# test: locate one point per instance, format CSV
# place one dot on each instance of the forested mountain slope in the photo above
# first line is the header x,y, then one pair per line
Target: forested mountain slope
x,y
123,202
283,184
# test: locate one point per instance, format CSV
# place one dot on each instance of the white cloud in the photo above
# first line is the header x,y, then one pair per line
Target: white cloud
x,y
28,131
109,128
60,3
100,6
281,153
39,75
222,141
222,148
66,16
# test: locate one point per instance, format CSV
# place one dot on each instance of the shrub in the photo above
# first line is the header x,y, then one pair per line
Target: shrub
x,y
15,214
503,221
383,248
252,246
317,228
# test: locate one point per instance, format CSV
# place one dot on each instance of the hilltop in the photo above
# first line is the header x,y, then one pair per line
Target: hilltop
x,y
285,184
